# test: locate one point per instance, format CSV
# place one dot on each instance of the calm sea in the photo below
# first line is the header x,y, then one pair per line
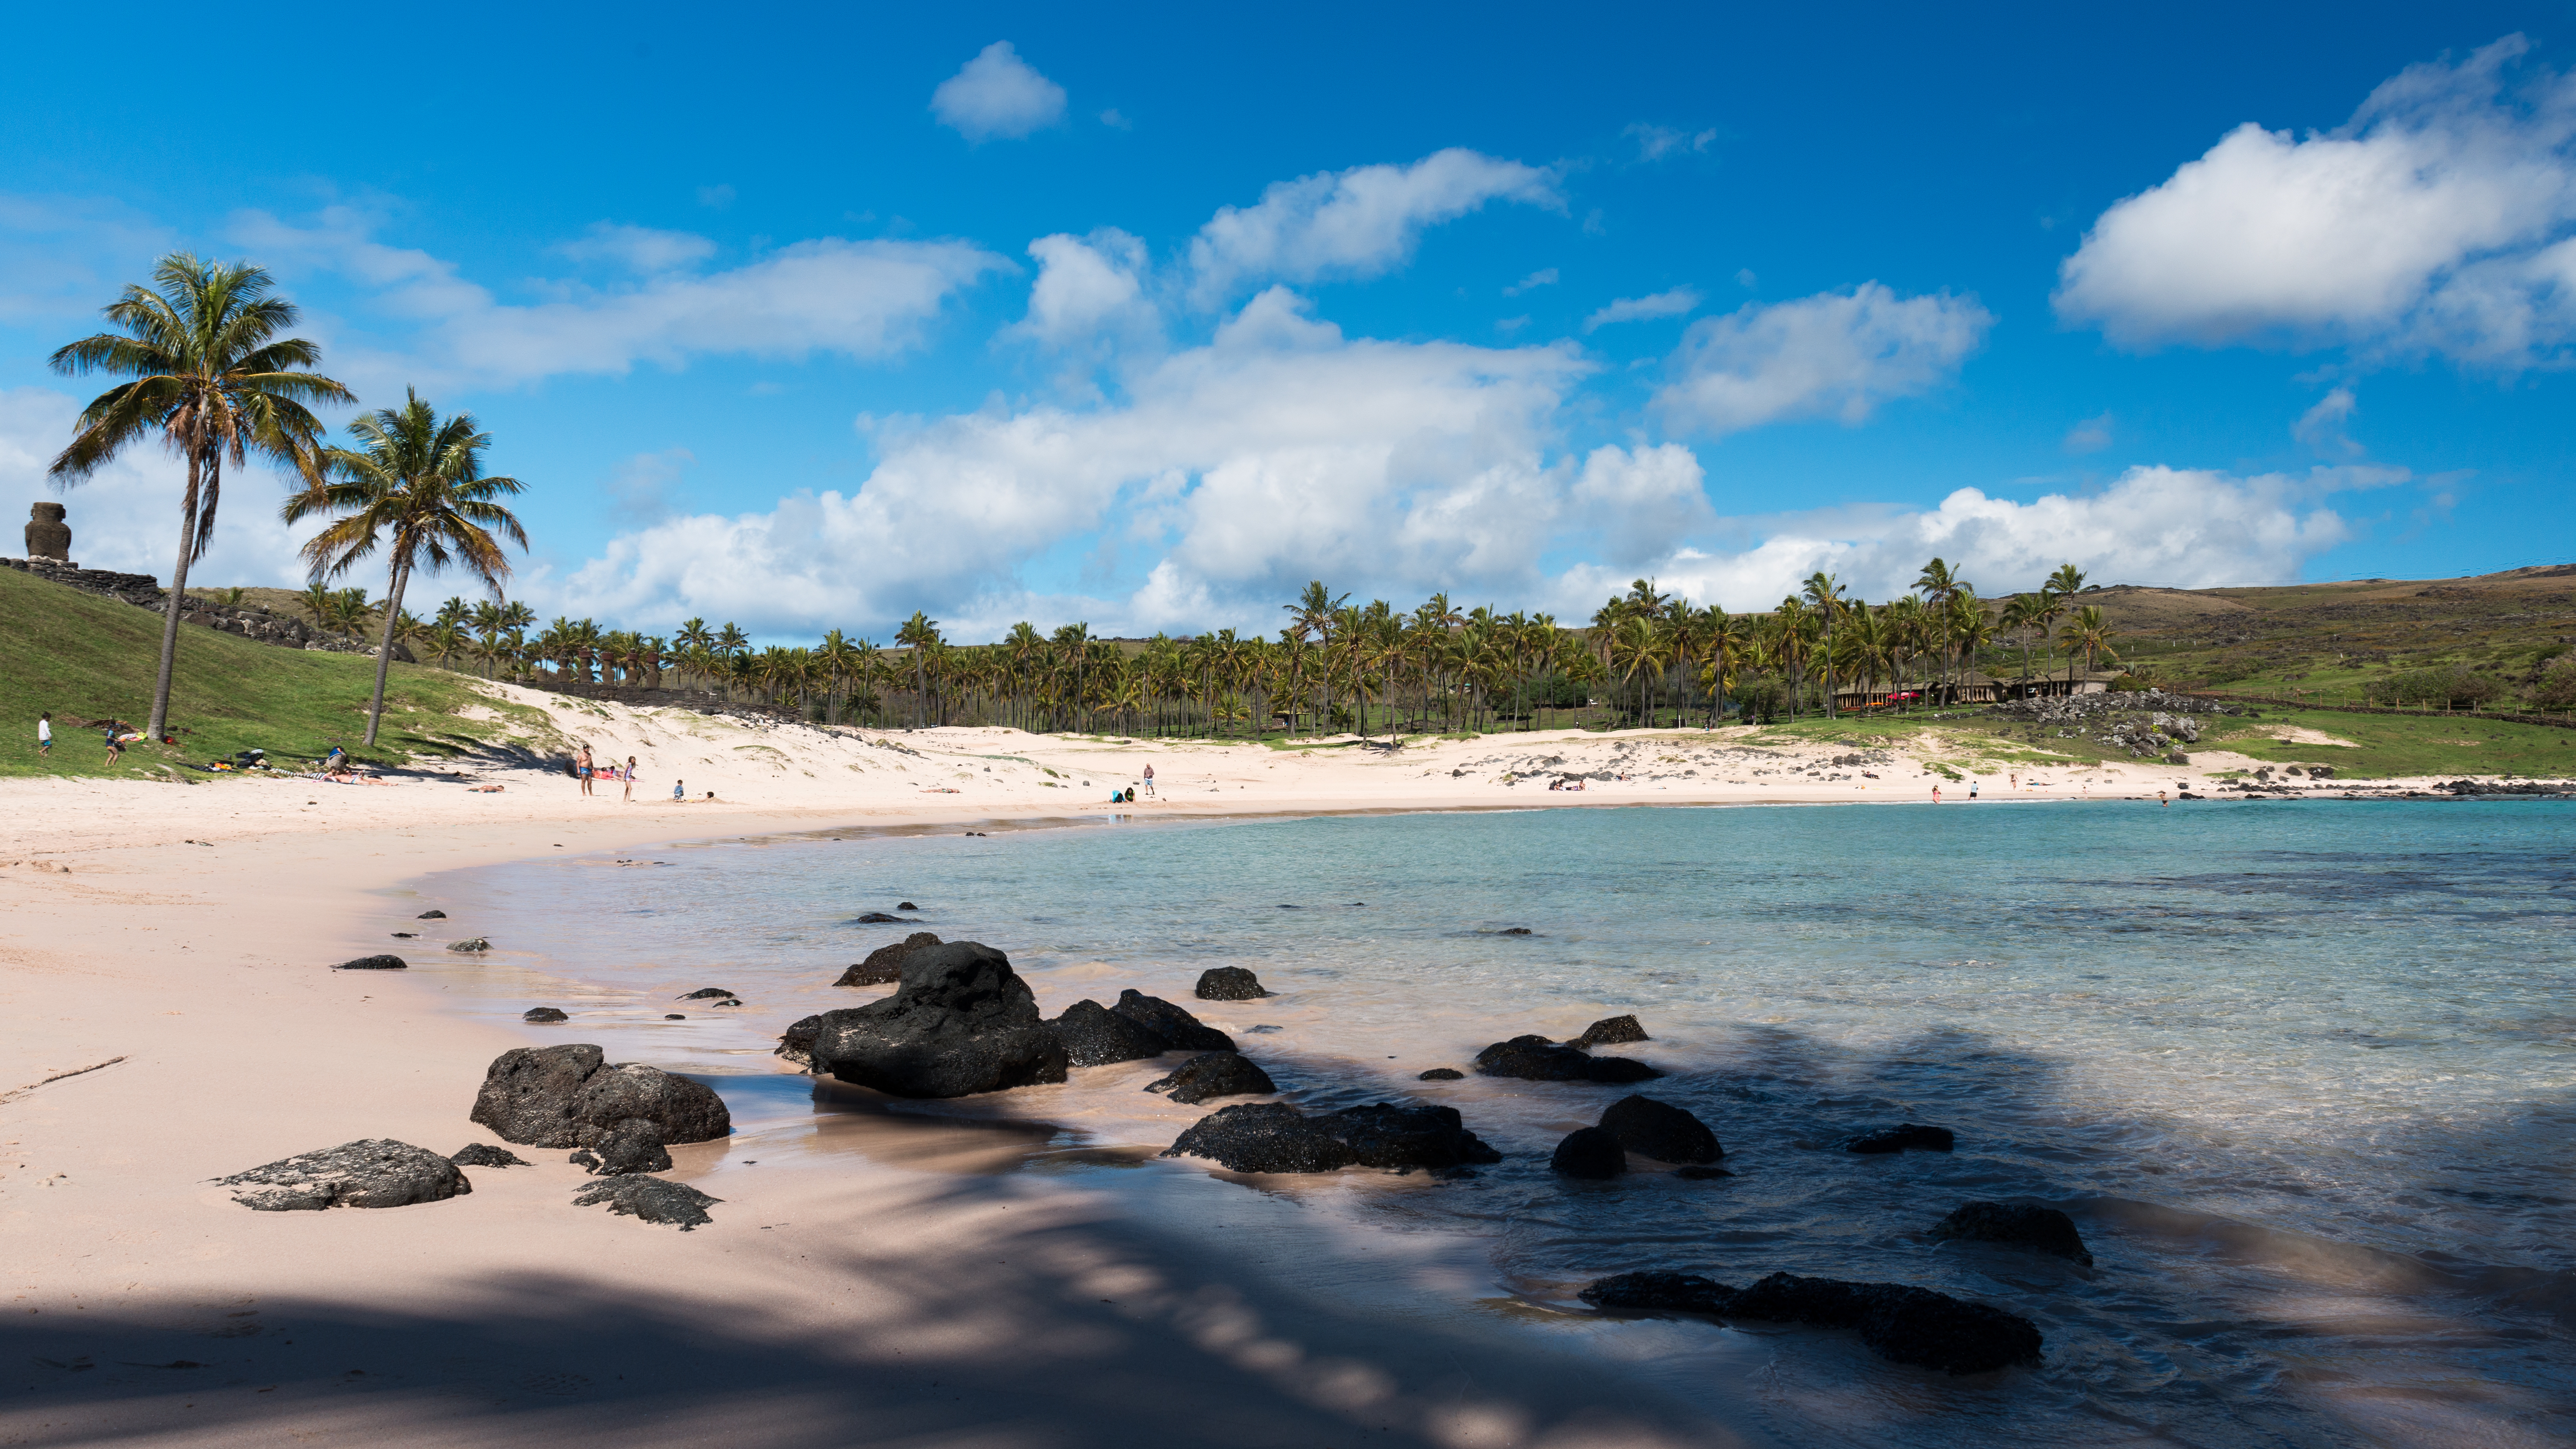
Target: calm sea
x,y
2304,1073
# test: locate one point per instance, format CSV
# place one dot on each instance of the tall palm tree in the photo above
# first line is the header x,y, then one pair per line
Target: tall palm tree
x,y
415,486
917,633
1825,594
212,377
2087,633
1313,613
835,656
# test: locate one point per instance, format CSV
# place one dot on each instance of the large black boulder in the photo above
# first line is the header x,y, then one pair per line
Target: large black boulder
x,y
1276,1137
544,1096
621,1148
1610,1031
1095,1036
1898,1321
961,1022
374,963
1540,1060
654,1199
885,963
1229,983
797,1042
1661,1131
2020,1225
1214,1074
1589,1152
1183,1031
1900,1137
374,1172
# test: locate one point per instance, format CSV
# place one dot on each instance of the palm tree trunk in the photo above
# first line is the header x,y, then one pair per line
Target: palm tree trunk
x,y
385,651
160,721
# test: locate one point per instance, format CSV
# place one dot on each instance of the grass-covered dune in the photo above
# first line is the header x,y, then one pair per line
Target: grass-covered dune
x,y
89,658
2358,746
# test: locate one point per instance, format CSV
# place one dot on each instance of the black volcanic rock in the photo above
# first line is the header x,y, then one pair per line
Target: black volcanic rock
x,y
545,1096
621,1148
1214,1074
1900,1137
1276,1137
1540,1060
654,1199
544,1015
1610,1031
1441,1074
707,993
1229,983
432,914
1658,1292
484,1154
374,963
2040,1229
1095,1036
885,963
797,1044
1899,1322
1661,1131
880,918
1174,1025
374,1172
961,1022
1589,1152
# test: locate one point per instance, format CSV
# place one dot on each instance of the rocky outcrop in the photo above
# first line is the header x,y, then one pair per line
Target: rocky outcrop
x,y
1897,1321
1900,1137
484,1154
797,1043
885,964
1537,1059
654,1199
2019,1225
373,1172
1229,983
961,1023
620,1148
1215,1074
374,963
1589,1152
1661,1131
1609,1031
1179,1029
1276,1137
1095,1036
2146,723
545,1096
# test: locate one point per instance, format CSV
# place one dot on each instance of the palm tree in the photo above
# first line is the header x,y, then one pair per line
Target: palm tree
x,y
414,484
213,378
1825,593
1313,613
918,633
2087,633
2023,614
835,656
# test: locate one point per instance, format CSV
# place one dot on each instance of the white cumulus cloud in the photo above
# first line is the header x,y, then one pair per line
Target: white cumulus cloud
x,y
1086,285
997,94
1836,354
639,249
1677,302
2438,218
1355,223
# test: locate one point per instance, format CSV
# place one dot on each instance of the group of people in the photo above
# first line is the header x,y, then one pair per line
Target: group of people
x,y
590,772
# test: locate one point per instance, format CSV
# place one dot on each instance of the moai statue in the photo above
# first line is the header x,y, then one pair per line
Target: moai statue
x,y
47,535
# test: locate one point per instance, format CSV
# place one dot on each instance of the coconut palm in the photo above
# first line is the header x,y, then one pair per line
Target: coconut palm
x,y
918,633
2088,633
1824,593
414,485
211,376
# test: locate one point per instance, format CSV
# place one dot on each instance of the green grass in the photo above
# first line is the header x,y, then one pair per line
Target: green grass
x,y
79,655
2392,744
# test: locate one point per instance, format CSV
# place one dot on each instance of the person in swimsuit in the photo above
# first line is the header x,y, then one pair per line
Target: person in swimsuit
x,y
581,767
1149,779
629,798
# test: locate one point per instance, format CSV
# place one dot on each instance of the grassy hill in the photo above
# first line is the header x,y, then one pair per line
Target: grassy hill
x,y
87,658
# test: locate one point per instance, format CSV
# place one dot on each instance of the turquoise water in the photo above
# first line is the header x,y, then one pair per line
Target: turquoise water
x,y
2304,1073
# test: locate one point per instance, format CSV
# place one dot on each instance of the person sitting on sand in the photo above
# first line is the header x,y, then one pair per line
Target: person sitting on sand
x,y
679,792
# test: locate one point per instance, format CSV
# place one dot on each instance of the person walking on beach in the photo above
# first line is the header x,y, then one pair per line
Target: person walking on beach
x,y
1149,782
1972,789
629,797
44,734
581,767
115,747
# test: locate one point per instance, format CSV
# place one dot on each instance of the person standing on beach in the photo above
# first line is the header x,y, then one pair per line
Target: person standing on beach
x,y
581,767
114,748
1149,781
629,797
1972,789
1936,794
44,734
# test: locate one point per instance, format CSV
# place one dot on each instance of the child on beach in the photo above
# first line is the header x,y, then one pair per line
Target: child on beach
x,y
44,734
679,792
114,746
629,798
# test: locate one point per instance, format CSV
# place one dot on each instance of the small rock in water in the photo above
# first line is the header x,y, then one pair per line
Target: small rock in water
x,y
1441,1074
880,918
1658,1292
1276,1137
654,1199
705,993
374,963
484,1154
1214,1074
1899,1322
961,1022
432,915
1900,1137
1229,983
885,963
2040,1229
470,944
1516,931
1610,1031
620,1148
1589,1152
1661,1131
1262,1030
544,1015
406,935
673,1016
1538,1059
906,906
374,1172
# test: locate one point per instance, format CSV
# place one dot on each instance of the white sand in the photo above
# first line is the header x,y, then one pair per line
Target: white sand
x,y
856,1300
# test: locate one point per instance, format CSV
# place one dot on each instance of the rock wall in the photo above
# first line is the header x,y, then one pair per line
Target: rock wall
x,y
145,592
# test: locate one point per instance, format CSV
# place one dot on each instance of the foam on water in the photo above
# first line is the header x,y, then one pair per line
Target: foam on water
x,y
2304,1073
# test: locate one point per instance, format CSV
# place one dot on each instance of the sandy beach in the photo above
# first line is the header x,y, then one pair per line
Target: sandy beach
x,y
183,938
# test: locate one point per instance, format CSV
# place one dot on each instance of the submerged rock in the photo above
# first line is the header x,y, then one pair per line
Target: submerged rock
x,y
374,963
1899,1322
880,918
1441,1074
1900,1137
885,963
1181,1030
1661,1131
961,1022
706,993
544,1015
432,914
470,945
1229,983
1276,1137
1610,1031
654,1199
1516,931
1540,1060
1214,1074
544,1096
1095,1036
1589,1152
2020,1225
620,1148
484,1154
373,1172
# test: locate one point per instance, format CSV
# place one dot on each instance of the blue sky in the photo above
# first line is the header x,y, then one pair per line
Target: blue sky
x,y
812,318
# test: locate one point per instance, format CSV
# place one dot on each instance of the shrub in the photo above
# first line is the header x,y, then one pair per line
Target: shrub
x,y
2557,688
2453,686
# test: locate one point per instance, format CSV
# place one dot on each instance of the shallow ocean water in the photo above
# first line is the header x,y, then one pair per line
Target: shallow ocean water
x,y
2304,1073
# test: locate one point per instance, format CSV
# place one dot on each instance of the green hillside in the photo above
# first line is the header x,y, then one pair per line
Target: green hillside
x,y
89,658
